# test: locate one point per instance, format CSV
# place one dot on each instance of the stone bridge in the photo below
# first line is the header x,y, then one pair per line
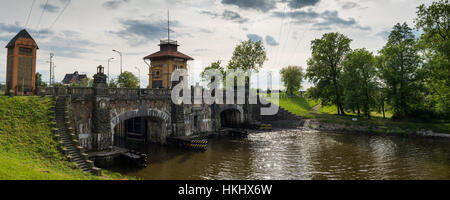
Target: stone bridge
x,y
101,116
104,117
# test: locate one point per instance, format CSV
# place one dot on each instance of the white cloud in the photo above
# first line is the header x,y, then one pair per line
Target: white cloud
x,y
87,31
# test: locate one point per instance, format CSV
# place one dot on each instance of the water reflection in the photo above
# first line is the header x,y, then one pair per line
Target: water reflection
x,y
302,154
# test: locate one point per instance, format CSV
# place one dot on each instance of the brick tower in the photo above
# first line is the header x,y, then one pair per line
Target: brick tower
x,y
21,64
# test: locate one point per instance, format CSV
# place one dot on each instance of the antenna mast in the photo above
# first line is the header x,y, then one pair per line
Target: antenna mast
x,y
168,26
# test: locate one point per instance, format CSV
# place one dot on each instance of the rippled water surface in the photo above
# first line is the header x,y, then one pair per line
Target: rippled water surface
x,y
302,154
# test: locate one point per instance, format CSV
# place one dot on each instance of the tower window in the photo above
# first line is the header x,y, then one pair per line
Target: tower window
x,y
156,74
25,51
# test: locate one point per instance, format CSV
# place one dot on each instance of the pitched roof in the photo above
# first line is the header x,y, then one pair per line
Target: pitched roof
x,y
69,78
163,54
22,34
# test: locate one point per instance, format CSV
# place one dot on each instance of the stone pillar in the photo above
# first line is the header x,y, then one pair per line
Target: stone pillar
x,y
101,119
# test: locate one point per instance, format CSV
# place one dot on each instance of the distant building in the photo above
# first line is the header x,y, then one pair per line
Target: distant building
x,y
164,62
69,79
21,64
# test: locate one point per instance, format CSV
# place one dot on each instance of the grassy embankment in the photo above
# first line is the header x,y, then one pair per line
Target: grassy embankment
x,y
28,150
310,109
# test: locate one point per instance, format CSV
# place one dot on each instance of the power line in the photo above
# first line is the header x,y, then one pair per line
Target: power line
x,y
42,14
293,16
279,35
60,14
29,13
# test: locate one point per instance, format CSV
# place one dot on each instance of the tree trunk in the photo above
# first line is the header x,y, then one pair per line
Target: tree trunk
x,y
359,112
382,106
342,109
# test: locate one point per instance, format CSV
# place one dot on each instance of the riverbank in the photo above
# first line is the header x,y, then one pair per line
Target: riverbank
x,y
324,118
28,150
380,130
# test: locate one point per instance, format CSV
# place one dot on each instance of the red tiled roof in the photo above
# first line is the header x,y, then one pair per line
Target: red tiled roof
x,y
162,54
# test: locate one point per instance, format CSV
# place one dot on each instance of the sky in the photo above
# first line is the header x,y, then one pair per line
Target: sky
x,y
83,33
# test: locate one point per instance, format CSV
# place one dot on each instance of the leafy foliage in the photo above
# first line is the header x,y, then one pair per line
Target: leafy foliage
x,y
85,82
248,56
324,67
292,77
359,80
128,80
38,80
401,71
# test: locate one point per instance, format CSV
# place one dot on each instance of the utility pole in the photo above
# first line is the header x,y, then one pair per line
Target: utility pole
x,y
51,63
53,72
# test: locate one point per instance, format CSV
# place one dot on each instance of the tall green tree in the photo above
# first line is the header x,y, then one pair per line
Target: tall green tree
x,y
434,20
400,69
359,80
128,80
38,80
292,77
248,56
324,67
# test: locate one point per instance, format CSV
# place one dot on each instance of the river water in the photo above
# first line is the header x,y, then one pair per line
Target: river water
x,y
302,154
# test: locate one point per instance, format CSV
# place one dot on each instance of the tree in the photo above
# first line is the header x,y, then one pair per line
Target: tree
x,y
113,83
358,79
292,77
400,69
85,82
324,67
434,21
38,80
217,66
128,80
248,56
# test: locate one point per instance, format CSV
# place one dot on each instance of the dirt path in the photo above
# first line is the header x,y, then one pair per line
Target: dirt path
x,y
317,107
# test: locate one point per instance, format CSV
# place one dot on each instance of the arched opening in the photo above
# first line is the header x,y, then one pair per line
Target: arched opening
x,y
136,128
139,131
231,118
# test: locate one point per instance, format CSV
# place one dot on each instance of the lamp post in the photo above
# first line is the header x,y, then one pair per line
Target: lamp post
x,y
139,74
109,60
120,53
51,63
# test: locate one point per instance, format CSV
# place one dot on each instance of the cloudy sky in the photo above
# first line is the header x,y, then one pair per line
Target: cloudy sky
x,y
82,33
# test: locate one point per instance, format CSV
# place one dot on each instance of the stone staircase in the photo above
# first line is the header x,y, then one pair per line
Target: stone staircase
x,y
282,115
67,138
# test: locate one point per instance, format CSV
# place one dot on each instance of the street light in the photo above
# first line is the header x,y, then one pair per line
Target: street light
x,y
109,60
139,73
120,53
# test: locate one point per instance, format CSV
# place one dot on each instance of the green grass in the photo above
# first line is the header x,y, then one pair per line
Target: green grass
x,y
28,150
298,105
303,107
